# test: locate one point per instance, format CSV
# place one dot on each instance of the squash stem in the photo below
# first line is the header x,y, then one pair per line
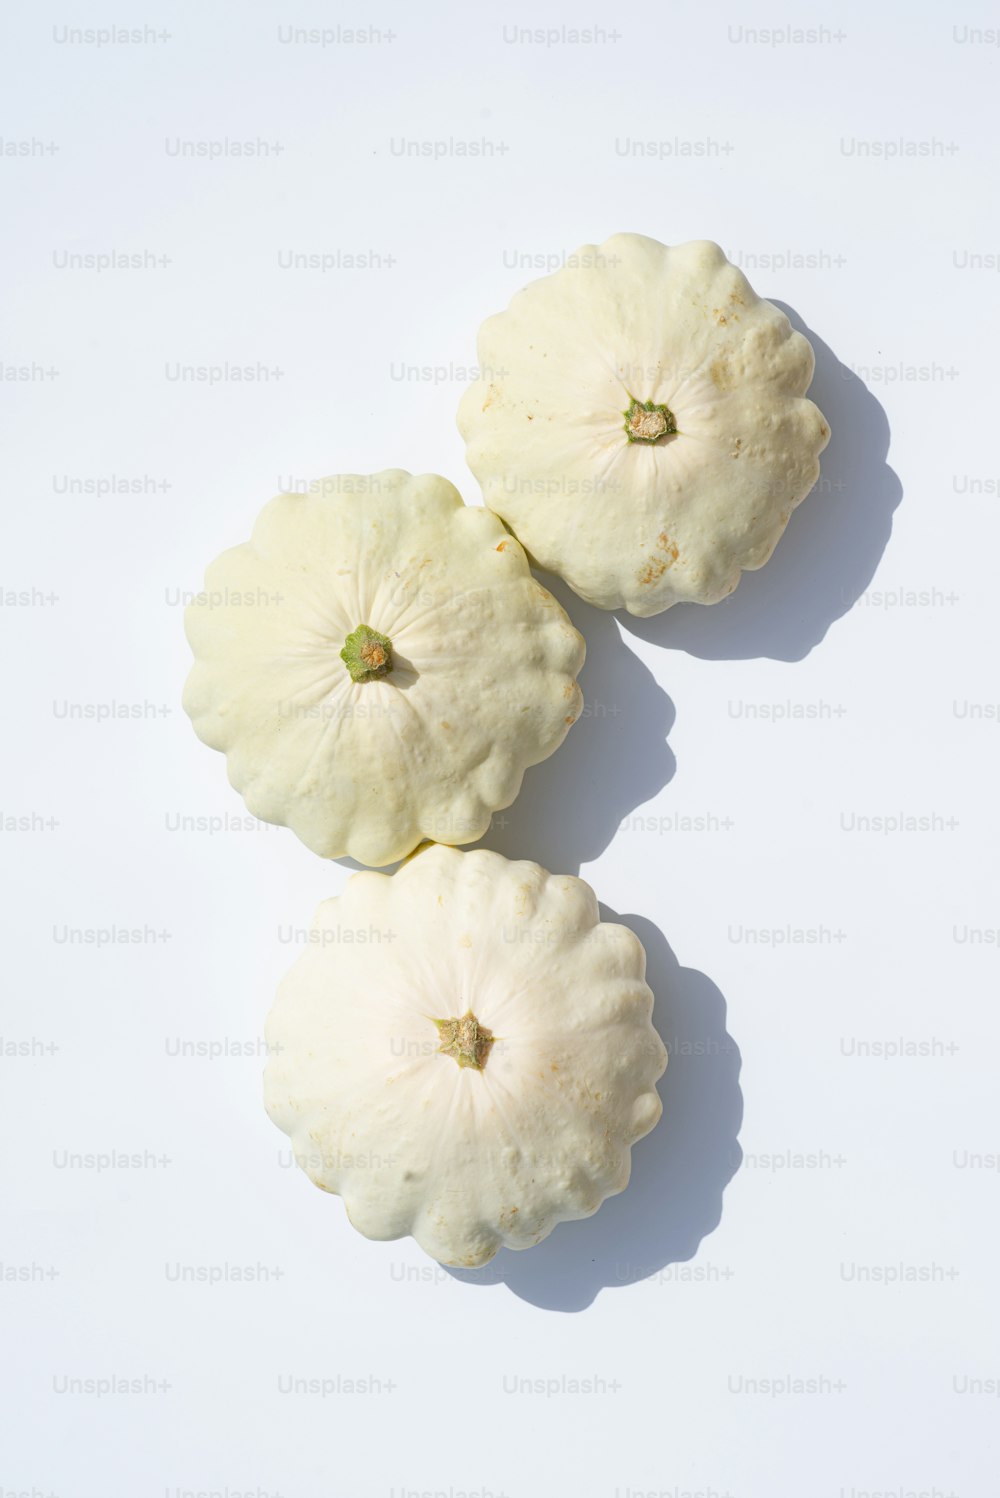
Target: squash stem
x,y
465,1040
367,654
646,422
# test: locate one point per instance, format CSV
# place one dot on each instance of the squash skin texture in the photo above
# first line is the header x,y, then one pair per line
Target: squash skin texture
x,y
634,524
482,685
466,1161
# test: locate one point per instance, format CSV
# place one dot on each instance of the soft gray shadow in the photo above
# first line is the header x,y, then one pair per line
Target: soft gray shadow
x,y
679,1171
614,758
828,554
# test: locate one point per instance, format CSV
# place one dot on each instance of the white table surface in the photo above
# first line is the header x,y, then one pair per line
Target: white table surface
x,y
807,1311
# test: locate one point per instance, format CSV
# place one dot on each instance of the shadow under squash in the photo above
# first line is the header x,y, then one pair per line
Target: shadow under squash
x,y
614,758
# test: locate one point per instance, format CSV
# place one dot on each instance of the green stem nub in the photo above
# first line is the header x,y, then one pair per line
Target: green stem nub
x,y
465,1040
646,422
367,654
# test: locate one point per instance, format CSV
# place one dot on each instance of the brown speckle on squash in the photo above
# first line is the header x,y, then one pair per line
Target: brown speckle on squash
x,y
657,566
721,374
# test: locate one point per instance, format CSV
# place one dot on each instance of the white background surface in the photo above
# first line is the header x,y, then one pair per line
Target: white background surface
x,y
708,1273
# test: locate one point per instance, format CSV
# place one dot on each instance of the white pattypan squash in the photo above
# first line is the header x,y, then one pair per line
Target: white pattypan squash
x,y
464,1053
379,666
640,424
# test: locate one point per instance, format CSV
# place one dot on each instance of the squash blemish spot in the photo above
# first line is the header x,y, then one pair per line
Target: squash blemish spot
x,y
657,566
